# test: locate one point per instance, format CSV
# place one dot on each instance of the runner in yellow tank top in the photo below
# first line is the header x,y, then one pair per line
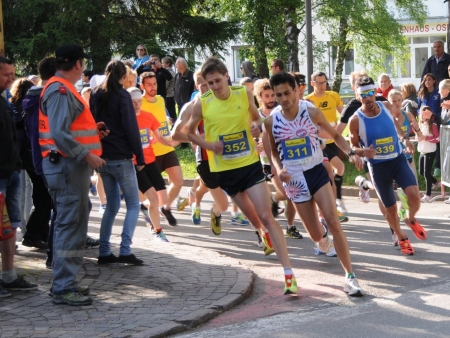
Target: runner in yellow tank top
x,y
224,110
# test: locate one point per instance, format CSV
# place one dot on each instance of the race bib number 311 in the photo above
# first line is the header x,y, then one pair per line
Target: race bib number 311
x,y
235,145
297,151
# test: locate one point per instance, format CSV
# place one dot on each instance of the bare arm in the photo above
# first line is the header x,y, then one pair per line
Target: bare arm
x,y
255,124
273,154
197,116
340,127
319,119
179,130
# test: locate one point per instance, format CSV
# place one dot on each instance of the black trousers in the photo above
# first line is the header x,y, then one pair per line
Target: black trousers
x,y
425,166
170,106
38,223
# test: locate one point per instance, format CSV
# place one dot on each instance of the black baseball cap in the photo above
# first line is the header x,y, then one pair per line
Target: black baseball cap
x,y
301,78
70,52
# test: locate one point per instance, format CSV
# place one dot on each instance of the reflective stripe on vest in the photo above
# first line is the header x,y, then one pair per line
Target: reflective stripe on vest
x,y
83,128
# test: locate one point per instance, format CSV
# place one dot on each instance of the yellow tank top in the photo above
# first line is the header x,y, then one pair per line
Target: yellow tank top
x,y
228,121
158,110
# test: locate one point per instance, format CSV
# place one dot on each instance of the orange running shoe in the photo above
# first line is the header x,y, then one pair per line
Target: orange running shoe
x,y
417,229
266,240
405,247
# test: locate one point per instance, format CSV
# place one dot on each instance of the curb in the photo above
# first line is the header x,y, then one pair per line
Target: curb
x,y
240,291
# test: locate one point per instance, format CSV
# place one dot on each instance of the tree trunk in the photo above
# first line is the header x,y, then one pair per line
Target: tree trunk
x,y
292,33
100,50
340,55
260,52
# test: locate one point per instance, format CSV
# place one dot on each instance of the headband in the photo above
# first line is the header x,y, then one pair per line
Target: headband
x,y
365,88
135,93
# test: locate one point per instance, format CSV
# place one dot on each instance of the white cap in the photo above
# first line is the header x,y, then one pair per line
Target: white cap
x,y
135,93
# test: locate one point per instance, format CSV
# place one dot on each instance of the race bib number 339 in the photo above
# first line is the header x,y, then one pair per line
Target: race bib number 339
x,y
235,145
297,151
385,147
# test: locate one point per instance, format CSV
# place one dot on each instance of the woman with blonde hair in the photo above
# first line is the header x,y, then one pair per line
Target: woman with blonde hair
x,y
409,96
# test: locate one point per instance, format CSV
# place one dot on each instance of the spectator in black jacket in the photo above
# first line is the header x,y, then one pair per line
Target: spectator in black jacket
x,y
112,104
184,83
438,63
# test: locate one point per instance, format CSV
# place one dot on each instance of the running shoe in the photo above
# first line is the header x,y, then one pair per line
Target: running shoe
x,y
402,196
20,283
276,210
196,216
436,186
259,242
394,239
324,244
341,206
215,223
72,298
268,247
364,191
342,217
239,219
405,247
290,284
160,237
93,190
417,229
101,209
182,203
352,287
168,215
144,212
293,232
152,228
401,213
91,242
426,199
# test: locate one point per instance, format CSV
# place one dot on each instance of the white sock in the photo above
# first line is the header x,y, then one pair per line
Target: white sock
x,y
288,271
9,276
290,226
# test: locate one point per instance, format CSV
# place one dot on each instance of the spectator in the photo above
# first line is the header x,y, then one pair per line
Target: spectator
x,y
131,79
86,78
409,96
9,185
385,85
184,83
438,64
170,88
142,57
248,70
70,148
247,82
112,104
277,66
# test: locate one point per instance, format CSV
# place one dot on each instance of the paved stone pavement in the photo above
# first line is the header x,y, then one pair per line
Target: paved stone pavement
x,y
180,286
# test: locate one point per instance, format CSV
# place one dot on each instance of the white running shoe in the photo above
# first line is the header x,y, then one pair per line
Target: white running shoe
x,y
364,188
426,199
341,206
352,287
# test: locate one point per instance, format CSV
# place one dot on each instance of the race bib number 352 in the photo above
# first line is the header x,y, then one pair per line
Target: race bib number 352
x,y
297,151
235,145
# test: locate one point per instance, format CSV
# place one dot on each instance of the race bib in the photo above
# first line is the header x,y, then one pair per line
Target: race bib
x,y
297,151
385,147
164,129
145,137
235,145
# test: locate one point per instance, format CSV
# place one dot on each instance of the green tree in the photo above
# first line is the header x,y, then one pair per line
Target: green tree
x,y
370,27
35,28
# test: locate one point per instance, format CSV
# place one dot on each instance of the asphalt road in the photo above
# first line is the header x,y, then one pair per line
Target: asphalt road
x,y
405,295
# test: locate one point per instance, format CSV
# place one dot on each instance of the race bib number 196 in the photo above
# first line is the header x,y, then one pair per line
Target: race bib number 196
x,y
164,129
235,145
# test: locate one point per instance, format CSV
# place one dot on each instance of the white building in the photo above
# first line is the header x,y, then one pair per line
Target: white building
x,y
420,41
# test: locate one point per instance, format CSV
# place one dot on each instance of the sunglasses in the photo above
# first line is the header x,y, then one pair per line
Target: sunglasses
x,y
302,85
320,83
139,49
369,93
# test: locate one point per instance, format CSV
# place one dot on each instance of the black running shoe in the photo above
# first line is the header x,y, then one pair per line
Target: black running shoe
x,y
168,215
130,259
92,242
293,232
107,259
19,283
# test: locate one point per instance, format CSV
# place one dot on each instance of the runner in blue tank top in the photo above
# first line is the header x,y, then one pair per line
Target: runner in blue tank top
x,y
375,126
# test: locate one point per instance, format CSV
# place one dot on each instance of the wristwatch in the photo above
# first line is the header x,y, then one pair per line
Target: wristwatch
x,y
351,153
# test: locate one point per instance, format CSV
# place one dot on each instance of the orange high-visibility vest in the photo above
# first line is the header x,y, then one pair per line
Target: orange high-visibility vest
x,y
83,129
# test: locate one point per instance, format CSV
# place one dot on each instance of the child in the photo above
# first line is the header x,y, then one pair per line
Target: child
x,y
427,149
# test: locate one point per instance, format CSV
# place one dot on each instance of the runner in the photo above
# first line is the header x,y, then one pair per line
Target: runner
x,y
298,159
386,159
150,181
232,153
